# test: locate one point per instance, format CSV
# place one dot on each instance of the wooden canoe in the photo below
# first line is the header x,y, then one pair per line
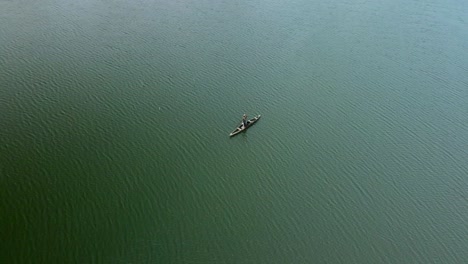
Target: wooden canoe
x,y
240,128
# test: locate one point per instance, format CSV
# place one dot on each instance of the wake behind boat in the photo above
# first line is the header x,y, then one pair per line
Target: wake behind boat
x,y
241,127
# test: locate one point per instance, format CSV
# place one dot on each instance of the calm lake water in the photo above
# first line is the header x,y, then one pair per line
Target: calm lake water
x,y
115,118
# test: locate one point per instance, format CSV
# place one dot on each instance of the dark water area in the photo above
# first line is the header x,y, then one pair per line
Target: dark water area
x,y
115,121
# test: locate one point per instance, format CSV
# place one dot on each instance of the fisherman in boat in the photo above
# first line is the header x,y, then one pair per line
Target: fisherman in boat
x,y
244,121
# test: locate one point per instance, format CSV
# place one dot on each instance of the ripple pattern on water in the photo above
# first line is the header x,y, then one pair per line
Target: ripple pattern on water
x,y
115,118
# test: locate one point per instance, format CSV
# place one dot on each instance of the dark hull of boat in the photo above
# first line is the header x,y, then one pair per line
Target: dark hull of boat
x,y
240,129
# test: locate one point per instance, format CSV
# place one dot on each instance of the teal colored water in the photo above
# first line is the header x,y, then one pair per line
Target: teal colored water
x,y
115,118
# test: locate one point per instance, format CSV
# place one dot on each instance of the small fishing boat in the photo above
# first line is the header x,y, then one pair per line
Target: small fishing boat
x,y
241,127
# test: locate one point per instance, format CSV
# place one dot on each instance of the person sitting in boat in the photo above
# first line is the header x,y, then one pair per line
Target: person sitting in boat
x,y
244,120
